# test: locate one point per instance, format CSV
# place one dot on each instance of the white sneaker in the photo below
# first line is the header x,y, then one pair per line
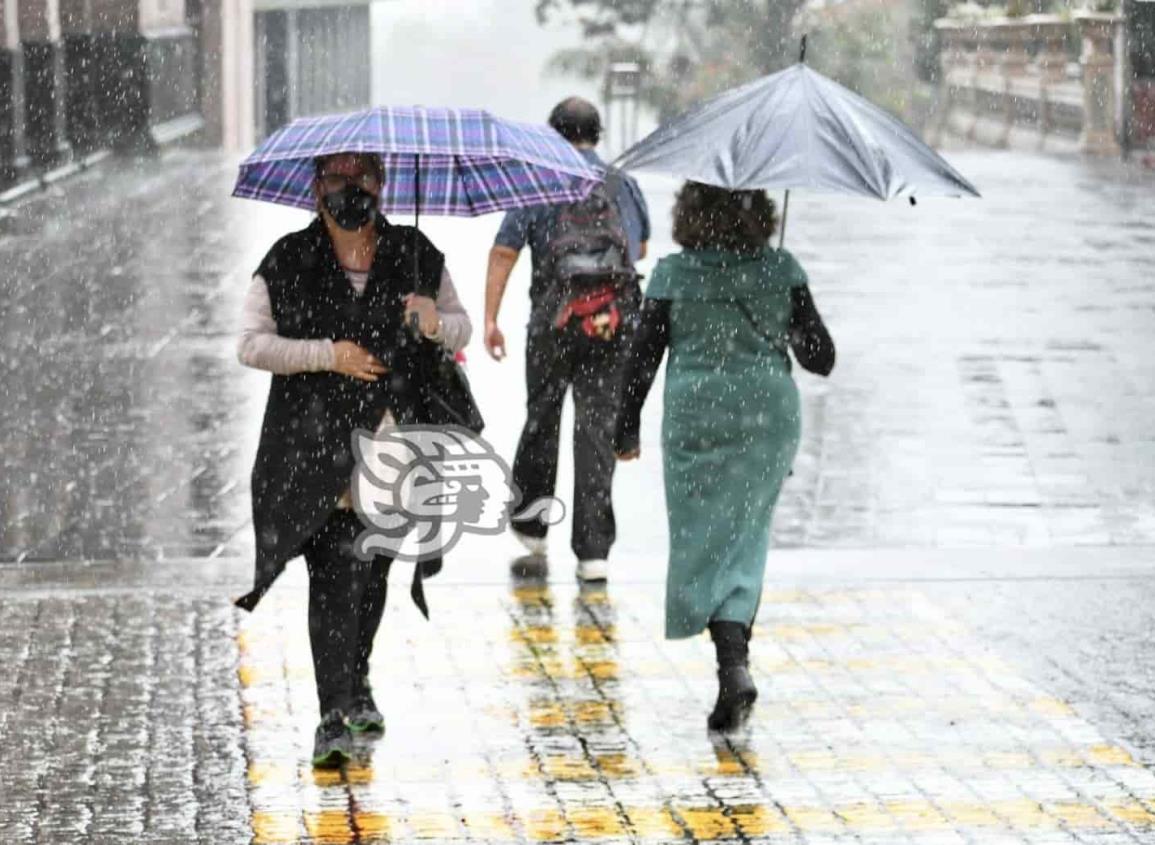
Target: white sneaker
x,y
593,570
536,546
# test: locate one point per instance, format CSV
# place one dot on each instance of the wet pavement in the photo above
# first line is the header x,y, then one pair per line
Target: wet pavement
x,y
994,382
953,645
122,403
896,708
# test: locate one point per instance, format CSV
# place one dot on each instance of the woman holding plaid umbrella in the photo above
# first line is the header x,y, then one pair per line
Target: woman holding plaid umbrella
x,y
326,313
330,314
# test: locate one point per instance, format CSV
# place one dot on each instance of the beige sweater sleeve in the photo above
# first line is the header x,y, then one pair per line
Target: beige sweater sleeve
x,y
456,327
260,346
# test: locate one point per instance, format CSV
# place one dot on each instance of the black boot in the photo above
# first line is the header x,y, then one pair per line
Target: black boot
x,y
736,691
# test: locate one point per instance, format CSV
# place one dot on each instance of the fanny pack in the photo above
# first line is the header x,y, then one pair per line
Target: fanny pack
x,y
598,311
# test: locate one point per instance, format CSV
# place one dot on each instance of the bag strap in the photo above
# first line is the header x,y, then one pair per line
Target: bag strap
x,y
776,342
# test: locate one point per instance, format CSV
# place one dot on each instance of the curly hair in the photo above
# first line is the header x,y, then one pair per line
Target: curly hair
x,y
706,217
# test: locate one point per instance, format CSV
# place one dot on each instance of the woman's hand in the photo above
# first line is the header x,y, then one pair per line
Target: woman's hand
x,y
429,321
631,455
349,359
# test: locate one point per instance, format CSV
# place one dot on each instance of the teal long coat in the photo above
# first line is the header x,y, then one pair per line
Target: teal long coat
x,y
730,428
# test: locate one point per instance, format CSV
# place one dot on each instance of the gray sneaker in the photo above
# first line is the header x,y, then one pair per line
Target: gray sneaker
x,y
363,714
333,743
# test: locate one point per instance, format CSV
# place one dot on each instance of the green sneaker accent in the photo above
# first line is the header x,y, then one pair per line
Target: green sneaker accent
x,y
375,725
333,759
364,716
333,743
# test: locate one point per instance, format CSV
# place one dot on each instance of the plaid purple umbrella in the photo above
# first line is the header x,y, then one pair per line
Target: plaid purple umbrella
x,y
464,162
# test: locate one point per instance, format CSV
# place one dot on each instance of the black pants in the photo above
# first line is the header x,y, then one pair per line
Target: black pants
x,y
346,600
553,362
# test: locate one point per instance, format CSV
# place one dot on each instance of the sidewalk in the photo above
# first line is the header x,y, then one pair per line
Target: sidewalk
x,y
138,707
994,391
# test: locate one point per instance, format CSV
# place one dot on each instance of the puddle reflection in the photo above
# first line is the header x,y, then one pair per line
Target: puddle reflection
x,y
523,719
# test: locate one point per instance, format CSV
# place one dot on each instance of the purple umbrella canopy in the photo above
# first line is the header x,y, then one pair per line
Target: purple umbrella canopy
x,y
464,162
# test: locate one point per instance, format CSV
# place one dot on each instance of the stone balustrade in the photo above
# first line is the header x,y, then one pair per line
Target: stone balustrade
x,y
1040,80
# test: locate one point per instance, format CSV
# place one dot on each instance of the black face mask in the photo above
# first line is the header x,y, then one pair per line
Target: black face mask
x,y
351,207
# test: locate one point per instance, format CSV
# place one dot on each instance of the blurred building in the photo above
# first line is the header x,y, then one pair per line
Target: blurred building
x,y
307,59
81,77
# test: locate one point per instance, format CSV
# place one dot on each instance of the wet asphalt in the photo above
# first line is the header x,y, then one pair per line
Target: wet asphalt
x,y
954,639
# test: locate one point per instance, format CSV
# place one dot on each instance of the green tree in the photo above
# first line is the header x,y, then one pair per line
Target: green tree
x,y
926,42
688,48
869,50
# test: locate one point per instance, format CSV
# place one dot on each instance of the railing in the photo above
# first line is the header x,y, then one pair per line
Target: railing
x,y
1051,78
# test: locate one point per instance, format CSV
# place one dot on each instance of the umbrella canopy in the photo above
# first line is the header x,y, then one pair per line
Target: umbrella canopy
x,y
459,162
796,129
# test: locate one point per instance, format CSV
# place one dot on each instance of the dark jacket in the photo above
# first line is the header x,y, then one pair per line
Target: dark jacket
x,y
305,459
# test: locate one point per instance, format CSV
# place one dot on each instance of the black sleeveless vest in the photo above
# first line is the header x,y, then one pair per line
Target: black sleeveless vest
x,y
305,459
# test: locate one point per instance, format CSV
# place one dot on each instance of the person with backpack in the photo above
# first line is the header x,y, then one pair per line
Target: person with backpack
x,y
584,298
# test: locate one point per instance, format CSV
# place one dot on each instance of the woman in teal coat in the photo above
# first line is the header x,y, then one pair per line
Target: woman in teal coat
x,y
728,307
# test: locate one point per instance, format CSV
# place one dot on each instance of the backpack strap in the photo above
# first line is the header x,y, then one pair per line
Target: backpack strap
x,y
614,179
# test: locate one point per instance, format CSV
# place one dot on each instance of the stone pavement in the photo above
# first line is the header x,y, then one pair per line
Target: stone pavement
x,y
139,708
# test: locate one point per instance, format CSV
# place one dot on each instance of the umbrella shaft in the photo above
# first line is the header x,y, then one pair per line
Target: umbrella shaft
x,y
782,225
416,218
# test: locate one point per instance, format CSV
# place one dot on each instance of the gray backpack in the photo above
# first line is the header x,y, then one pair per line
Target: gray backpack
x,y
588,253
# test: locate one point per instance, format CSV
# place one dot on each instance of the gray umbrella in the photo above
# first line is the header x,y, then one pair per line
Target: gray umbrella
x,y
796,129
